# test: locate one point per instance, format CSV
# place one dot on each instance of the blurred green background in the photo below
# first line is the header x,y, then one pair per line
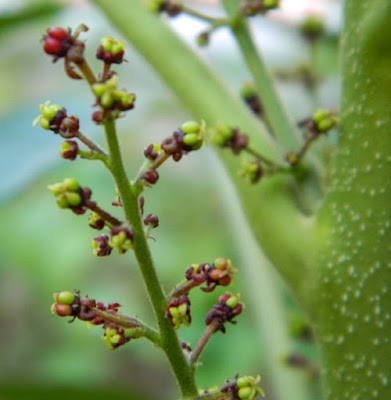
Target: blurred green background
x,y
44,249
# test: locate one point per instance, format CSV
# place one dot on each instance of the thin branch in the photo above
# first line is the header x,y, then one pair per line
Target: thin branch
x,y
275,112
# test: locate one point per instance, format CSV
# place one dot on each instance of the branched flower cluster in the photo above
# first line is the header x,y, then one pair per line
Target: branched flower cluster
x,y
122,235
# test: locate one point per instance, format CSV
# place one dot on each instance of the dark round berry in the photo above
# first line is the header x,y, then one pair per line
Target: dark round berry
x,y
52,46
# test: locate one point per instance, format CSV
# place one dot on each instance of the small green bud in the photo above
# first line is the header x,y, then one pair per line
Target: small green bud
x,y
248,90
99,89
190,127
324,120
246,393
74,199
71,185
191,139
221,135
233,301
49,111
44,123
56,188
65,297
312,27
244,381
320,114
107,99
62,201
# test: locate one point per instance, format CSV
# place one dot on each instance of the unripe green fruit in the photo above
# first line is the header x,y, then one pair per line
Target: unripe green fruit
x,y
74,199
245,393
71,185
62,201
232,302
190,127
191,139
44,123
107,99
65,297
244,381
320,114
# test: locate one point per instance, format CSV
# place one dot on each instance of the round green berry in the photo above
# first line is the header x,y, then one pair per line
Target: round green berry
x,y
190,127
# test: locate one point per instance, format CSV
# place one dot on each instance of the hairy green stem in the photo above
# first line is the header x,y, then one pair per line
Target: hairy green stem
x,y
169,341
275,112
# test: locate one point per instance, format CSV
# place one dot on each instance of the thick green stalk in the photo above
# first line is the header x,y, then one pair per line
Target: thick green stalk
x,y
272,207
352,300
276,114
169,341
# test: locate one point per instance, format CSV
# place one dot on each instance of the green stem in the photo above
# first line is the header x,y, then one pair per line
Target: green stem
x,y
169,341
275,112
203,17
89,143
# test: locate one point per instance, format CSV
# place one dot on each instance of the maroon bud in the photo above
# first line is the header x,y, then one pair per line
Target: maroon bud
x,y
69,126
101,246
97,117
151,220
170,145
177,156
108,57
151,176
69,149
150,152
55,122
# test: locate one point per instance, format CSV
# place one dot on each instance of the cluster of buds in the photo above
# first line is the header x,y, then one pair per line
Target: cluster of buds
x,y
121,239
109,97
178,312
219,273
100,246
243,388
61,43
69,194
170,7
54,118
251,171
255,7
233,138
188,138
320,122
250,96
110,50
68,304
228,307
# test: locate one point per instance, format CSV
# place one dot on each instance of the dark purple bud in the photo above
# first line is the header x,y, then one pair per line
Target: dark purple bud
x,y
151,176
150,152
151,220
69,127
